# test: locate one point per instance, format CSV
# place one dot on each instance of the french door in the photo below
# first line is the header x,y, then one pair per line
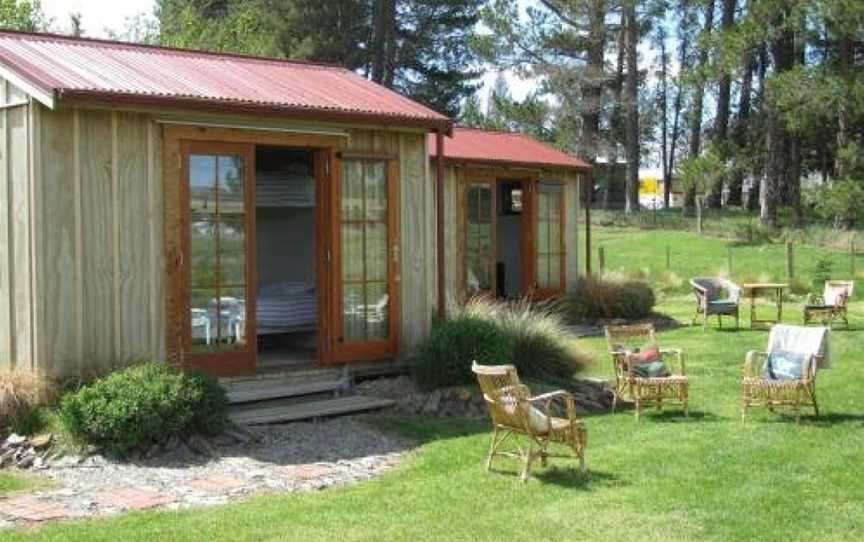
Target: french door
x,y
365,270
479,238
217,244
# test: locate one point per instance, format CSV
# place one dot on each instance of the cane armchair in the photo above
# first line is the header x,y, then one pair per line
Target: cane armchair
x,y
625,344
515,412
832,305
716,297
761,387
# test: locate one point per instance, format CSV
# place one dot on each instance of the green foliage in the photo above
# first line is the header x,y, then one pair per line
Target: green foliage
x,y
445,357
22,15
837,201
751,232
702,172
603,298
822,273
531,337
142,405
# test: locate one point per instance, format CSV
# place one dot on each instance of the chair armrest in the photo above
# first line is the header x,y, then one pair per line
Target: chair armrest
x,y
679,358
753,357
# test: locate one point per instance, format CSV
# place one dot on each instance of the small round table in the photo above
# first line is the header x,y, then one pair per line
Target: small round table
x,y
773,288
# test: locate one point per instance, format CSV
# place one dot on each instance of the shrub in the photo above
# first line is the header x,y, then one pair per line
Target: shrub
x,y
143,405
600,298
21,394
444,358
532,337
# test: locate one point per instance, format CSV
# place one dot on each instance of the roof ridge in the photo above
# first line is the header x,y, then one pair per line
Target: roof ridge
x,y
82,40
491,130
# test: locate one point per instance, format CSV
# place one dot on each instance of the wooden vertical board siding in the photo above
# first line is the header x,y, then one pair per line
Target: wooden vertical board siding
x,y
134,259
58,244
97,224
156,265
453,234
172,234
20,254
6,362
571,241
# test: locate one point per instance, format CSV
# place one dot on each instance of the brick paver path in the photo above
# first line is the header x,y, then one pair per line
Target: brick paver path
x,y
133,498
30,508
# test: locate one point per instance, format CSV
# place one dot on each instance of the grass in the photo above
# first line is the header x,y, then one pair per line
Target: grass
x,y
663,478
642,253
16,482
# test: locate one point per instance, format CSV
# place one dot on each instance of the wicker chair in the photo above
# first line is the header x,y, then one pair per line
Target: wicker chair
x,y
716,296
832,305
623,342
759,390
515,412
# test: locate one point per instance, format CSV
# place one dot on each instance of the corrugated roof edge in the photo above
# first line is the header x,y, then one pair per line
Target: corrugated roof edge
x,y
49,36
238,106
442,123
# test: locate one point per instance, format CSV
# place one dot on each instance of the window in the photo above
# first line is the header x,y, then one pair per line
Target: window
x,y
479,239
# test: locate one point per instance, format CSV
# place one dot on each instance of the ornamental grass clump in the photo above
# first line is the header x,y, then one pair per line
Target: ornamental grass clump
x,y
533,337
142,405
608,298
21,395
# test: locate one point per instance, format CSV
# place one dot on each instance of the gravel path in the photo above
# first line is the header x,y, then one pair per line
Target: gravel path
x,y
294,457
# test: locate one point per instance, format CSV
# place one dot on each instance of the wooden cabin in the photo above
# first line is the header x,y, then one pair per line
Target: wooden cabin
x,y
237,214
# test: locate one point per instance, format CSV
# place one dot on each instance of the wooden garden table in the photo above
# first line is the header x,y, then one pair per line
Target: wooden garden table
x,y
775,288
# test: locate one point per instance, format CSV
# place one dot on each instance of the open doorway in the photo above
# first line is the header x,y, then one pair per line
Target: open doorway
x,y
285,222
509,264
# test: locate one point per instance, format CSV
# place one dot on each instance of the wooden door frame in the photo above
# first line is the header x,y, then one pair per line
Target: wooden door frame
x,y
529,180
236,361
548,293
340,352
175,181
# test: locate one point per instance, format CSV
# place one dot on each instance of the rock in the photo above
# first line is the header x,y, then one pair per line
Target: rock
x,y
26,461
41,442
200,446
39,463
432,402
7,458
171,444
95,460
66,462
14,440
153,451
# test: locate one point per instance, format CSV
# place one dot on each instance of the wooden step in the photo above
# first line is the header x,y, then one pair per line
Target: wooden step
x,y
263,390
308,410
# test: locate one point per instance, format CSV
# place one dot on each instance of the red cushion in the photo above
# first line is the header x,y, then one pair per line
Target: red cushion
x,y
649,354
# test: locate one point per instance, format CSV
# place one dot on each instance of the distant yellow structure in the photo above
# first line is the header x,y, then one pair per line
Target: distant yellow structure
x,y
650,185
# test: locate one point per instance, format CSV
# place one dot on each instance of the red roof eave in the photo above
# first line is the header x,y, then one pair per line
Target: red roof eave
x,y
515,163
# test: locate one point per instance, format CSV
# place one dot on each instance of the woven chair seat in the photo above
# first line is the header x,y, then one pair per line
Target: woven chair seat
x,y
769,383
662,380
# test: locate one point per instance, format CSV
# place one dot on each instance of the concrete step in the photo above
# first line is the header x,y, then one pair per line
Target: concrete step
x,y
295,411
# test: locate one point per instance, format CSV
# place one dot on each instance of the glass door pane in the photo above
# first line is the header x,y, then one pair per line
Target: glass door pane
x,y
217,249
479,239
364,240
549,235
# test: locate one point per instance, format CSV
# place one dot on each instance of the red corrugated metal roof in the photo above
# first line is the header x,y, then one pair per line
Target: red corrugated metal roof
x,y
490,147
65,67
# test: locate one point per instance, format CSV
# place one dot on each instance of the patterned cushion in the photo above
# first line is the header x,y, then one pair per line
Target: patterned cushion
x,y
654,369
783,365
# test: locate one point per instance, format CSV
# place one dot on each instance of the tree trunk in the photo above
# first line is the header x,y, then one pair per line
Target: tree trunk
x,y
664,125
631,105
696,114
754,197
742,128
384,42
721,121
592,91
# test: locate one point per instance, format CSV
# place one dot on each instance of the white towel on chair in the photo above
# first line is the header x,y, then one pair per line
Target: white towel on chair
x,y
812,341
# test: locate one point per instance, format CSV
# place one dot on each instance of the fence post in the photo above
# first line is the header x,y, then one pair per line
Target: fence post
x,y
601,258
729,259
699,227
668,258
790,261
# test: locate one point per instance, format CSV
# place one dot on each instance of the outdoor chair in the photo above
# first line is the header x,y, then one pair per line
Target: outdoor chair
x,y
784,376
715,296
643,373
514,412
832,305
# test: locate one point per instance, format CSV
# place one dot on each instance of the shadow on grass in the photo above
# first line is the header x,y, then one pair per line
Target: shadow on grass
x,y
677,416
424,429
823,420
562,475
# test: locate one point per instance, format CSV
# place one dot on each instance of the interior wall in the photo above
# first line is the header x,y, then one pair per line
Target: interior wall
x,y
286,245
509,252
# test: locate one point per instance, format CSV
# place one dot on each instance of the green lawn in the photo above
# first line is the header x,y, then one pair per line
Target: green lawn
x,y
643,253
663,478
10,482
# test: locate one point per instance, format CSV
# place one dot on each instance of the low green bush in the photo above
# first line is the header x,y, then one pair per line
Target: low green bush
x,y
531,337
143,405
601,298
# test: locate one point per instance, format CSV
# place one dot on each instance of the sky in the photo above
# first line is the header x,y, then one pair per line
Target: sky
x,y
96,15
